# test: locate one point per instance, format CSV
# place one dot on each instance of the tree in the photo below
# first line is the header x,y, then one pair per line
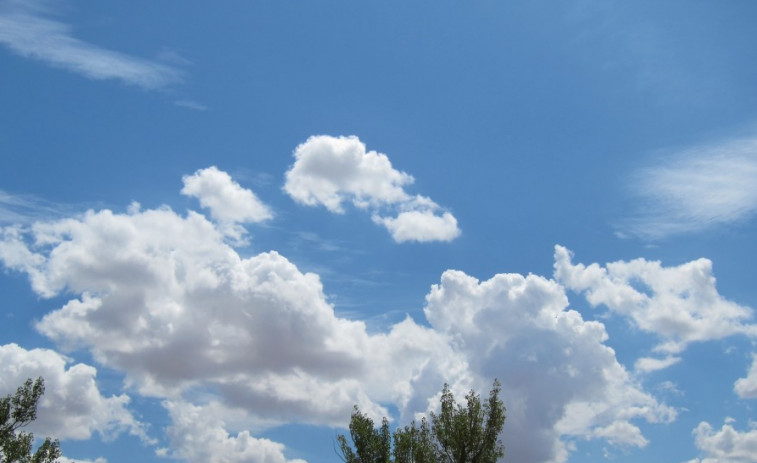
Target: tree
x,y
458,434
16,412
371,445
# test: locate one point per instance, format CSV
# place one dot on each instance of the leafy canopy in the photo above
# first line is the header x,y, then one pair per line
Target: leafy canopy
x,y
17,411
458,434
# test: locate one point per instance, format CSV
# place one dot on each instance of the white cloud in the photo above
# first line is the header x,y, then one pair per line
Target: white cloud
x,y
72,406
696,189
330,171
65,459
227,201
746,388
726,445
649,364
24,209
198,435
163,298
25,31
421,226
680,304
518,329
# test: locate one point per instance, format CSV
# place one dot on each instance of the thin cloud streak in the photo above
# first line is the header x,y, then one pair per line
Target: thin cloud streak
x,y
696,189
25,209
26,33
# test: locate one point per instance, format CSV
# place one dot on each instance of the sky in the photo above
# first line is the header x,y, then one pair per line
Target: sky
x,y
224,225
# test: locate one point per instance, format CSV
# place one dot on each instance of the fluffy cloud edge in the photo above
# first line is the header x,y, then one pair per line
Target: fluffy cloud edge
x,y
679,304
72,407
330,171
198,434
726,445
420,226
746,387
227,200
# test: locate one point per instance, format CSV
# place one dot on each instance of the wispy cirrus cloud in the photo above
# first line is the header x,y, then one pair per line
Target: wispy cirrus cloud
x,y
696,189
24,209
27,30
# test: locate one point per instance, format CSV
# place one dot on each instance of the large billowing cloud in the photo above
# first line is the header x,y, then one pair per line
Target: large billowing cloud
x,y
697,188
519,329
329,171
27,30
166,299
679,304
726,445
72,406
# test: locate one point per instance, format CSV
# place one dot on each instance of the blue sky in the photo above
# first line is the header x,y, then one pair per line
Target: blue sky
x,y
221,226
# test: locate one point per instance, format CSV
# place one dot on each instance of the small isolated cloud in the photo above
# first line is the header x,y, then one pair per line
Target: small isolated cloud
x,y
26,31
329,171
726,445
65,459
695,189
746,388
420,226
679,304
72,407
227,201
649,364
191,104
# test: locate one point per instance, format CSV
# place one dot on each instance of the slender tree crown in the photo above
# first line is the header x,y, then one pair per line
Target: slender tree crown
x,y
17,411
458,434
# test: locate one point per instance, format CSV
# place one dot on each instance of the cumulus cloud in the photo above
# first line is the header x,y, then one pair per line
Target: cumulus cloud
x,y
26,31
226,199
697,188
72,407
746,388
519,329
726,445
166,299
679,304
421,226
228,202
198,435
649,364
329,171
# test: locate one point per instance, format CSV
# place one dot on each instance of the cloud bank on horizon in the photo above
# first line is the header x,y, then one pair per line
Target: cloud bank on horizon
x,y
203,318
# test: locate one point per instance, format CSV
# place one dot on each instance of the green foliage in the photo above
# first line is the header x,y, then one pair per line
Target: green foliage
x,y
414,444
17,411
371,445
458,434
